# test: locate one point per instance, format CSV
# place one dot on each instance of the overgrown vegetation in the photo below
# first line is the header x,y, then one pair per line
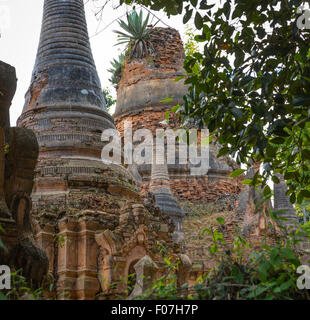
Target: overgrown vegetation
x,y
303,212
21,289
198,209
250,84
137,36
109,100
242,272
116,70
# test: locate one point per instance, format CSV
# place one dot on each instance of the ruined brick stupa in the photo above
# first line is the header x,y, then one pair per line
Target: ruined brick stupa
x,y
147,89
88,215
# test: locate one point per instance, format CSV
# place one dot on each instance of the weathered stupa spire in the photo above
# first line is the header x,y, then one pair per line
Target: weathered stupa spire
x,y
282,202
64,71
65,85
65,105
164,199
76,195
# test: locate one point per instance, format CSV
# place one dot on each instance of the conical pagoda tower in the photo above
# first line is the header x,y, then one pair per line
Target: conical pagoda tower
x,y
146,91
283,205
164,199
64,104
88,215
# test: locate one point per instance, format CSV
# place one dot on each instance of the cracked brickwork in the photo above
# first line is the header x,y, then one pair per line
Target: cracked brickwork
x,y
184,186
88,215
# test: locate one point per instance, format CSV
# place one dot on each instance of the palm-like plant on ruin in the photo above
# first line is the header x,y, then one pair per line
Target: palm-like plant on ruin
x,y
137,36
116,70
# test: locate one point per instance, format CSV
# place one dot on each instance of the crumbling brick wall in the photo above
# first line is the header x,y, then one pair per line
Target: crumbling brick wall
x,y
183,187
167,58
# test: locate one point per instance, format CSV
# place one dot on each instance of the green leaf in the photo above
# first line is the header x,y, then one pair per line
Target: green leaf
x,y
207,32
302,100
220,220
247,181
277,140
198,21
206,230
237,113
261,32
222,152
194,3
267,191
284,286
187,16
266,81
204,5
300,198
167,114
293,198
306,154
237,173
289,175
289,255
167,261
305,193
239,58
226,9
257,292
175,108
275,179
179,78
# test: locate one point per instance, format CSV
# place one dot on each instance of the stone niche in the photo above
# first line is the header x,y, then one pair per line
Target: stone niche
x,y
96,248
18,157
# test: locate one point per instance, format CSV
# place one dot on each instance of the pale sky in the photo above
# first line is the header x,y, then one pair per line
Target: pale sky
x,y
20,24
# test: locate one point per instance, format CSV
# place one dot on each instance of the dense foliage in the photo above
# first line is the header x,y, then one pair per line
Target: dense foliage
x,y
241,272
250,84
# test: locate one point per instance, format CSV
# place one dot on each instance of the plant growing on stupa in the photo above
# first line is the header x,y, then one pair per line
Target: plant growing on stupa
x,y
252,89
137,36
116,70
109,100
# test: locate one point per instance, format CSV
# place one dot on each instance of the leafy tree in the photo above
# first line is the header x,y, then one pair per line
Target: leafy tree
x,y
252,88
